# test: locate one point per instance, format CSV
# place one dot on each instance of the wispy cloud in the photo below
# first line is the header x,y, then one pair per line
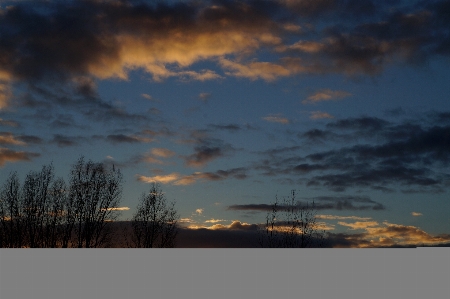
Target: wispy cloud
x,y
163,179
8,155
416,214
7,138
118,209
204,96
335,217
162,152
235,225
319,115
214,220
208,149
359,224
9,123
326,95
121,138
352,203
276,118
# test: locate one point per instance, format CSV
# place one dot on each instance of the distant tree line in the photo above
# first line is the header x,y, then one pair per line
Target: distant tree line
x,y
45,212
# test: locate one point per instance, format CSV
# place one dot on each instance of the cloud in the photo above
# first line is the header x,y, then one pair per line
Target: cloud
x,y
177,179
416,214
368,152
390,234
162,152
118,209
208,149
319,115
64,140
8,155
108,39
352,203
150,159
235,225
267,71
204,96
185,220
163,179
335,217
121,138
199,211
364,124
9,123
276,119
359,224
7,138
326,95
228,127
147,96
237,173
30,139
214,220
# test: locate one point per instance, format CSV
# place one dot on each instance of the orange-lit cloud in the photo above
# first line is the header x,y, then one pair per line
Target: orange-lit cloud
x,y
335,217
391,234
235,225
152,160
7,138
163,179
117,209
388,234
148,97
326,95
416,214
214,220
359,224
319,115
267,71
185,220
114,38
5,87
162,152
199,211
276,119
8,155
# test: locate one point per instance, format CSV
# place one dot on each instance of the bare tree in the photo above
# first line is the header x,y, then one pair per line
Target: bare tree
x,y
155,222
54,222
93,201
11,224
36,204
291,225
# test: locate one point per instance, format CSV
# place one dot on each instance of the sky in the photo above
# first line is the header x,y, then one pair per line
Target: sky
x,y
228,104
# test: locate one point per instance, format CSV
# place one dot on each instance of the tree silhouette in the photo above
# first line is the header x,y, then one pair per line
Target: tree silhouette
x,y
32,215
93,199
155,222
291,225
11,225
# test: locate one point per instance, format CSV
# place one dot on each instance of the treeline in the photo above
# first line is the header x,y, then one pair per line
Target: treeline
x,y
47,212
